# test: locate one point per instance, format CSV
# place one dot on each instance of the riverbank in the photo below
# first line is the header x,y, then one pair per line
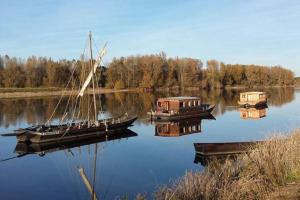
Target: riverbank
x,y
48,92
262,173
6,93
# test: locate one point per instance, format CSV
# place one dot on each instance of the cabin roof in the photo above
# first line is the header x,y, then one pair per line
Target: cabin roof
x,y
181,98
253,93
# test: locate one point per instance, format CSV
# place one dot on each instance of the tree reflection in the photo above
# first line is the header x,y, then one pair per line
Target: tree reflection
x,y
38,110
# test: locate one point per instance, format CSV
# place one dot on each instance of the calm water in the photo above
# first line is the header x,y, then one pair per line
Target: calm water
x,y
131,165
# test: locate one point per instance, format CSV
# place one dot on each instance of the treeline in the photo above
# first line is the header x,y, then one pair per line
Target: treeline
x,y
150,71
33,72
159,71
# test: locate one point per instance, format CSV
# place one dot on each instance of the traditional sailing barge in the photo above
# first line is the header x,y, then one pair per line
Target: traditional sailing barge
x,y
177,108
76,128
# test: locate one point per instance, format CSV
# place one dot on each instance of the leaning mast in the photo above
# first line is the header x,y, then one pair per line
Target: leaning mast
x,y
93,79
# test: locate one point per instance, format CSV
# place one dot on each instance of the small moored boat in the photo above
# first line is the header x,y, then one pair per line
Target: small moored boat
x,y
252,99
213,149
176,108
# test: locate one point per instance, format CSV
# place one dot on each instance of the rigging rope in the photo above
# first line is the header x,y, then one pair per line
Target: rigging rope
x,y
64,91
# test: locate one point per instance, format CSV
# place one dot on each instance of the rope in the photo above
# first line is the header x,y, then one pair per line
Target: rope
x,y
61,97
64,91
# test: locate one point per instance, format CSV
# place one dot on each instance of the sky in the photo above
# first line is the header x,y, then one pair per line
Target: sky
x,y
264,32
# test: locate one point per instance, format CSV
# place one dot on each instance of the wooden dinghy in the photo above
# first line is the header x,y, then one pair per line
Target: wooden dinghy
x,y
212,149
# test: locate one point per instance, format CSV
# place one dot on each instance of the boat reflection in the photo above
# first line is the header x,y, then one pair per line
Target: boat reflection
x,y
44,148
41,149
180,127
207,152
253,113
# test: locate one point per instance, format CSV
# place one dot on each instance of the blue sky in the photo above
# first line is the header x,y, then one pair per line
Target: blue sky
x,y
263,32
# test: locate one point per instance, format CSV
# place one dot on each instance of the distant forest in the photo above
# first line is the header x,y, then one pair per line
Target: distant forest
x,y
151,71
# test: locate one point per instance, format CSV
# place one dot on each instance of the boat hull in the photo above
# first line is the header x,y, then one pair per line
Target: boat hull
x,y
73,134
248,104
181,116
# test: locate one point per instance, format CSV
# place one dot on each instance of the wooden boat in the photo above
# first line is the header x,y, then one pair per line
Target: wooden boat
x,y
207,152
213,149
176,108
252,99
176,128
71,126
79,130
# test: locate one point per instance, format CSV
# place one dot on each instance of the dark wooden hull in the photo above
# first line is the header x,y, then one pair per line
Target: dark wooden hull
x,y
211,149
73,133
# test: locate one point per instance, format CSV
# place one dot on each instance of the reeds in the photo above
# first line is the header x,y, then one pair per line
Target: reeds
x,y
251,175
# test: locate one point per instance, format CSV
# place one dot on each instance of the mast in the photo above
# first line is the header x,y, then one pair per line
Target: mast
x,y
93,79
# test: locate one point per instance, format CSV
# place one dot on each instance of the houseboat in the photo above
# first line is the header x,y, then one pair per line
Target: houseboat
x,y
252,99
176,108
180,127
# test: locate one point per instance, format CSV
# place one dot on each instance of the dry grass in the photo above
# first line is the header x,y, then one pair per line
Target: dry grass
x,y
252,175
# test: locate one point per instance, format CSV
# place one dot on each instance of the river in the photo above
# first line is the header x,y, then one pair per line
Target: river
x,y
142,160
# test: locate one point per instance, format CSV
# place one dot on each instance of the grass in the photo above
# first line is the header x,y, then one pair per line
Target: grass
x,y
251,175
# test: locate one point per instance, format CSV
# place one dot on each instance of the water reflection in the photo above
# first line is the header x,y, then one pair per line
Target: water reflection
x,y
37,111
180,127
70,148
253,113
124,161
42,149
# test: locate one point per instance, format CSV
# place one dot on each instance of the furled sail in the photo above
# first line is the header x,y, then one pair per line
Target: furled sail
x,y
89,78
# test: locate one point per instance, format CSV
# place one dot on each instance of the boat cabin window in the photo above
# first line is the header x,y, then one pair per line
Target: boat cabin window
x,y
181,104
159,104
190,104
243,96
194,103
